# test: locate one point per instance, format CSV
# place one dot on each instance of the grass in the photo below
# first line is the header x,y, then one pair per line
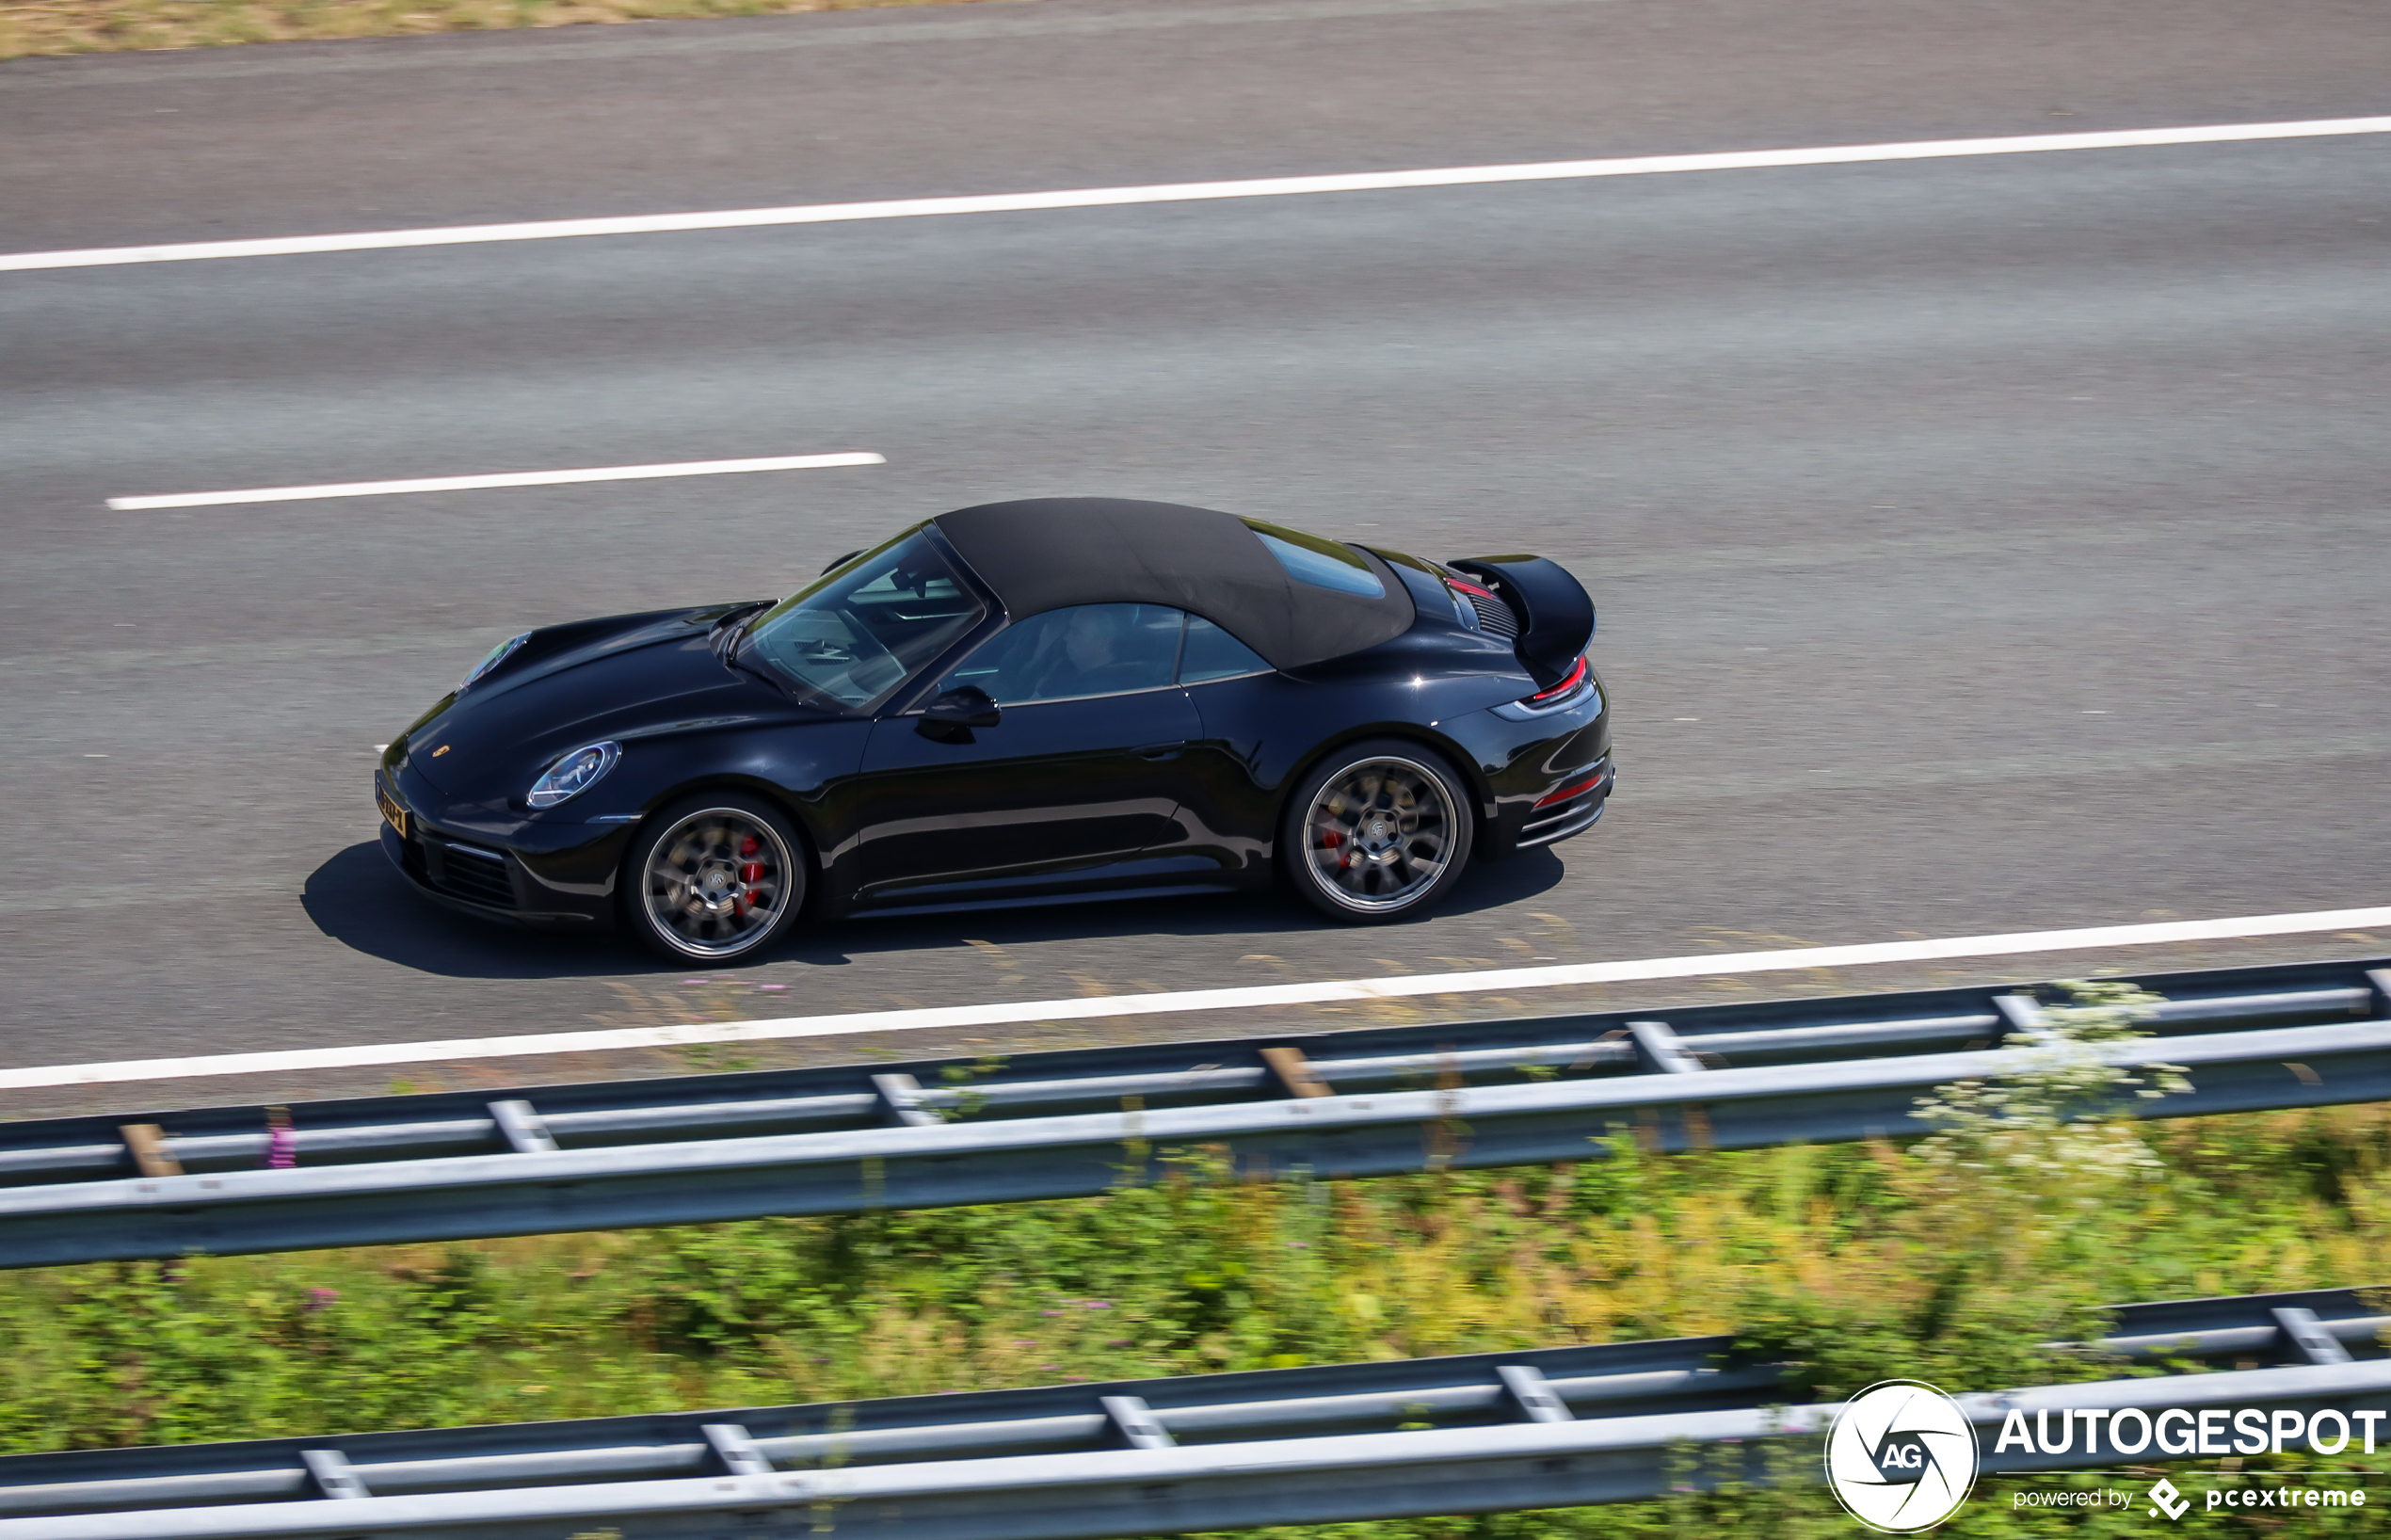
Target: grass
x,y
1859,1261
29,27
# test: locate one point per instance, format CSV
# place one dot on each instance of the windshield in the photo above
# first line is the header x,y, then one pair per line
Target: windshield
x,y
862,629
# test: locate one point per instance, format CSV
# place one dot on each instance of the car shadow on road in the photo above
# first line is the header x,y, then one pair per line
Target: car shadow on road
x,y
358,900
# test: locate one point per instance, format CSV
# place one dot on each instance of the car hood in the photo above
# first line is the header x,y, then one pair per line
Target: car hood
x,y
623,677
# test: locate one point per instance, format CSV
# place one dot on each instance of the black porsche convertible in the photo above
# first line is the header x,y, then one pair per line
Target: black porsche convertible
x,y
1011,704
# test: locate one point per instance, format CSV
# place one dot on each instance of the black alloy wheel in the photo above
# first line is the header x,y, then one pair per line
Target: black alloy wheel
x,y
715,879
1377,831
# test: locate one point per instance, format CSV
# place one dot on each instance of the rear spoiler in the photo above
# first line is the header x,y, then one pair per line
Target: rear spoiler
x,y
1556,613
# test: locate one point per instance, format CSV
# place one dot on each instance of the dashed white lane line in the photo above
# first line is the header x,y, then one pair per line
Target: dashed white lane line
x,y
510,478
1188,192
1085,1008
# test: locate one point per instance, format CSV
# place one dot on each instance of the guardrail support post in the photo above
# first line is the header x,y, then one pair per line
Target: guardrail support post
x,y
147,1144
901,1094
332,1473
1295,1072
1534,1394
2023,1015
1662,1049
2307,1337
1137,1422
735,1449
2381,979
522,1128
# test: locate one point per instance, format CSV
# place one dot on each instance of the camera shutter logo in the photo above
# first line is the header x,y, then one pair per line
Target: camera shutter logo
x,y
1902,1456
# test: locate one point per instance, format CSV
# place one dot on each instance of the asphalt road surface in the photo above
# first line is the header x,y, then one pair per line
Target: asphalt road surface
x,y
1980,545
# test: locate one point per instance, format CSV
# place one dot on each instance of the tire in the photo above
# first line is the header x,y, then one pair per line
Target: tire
x,y
696,871
1377,831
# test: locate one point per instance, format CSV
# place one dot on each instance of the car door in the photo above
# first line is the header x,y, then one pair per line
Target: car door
x,y
1081,770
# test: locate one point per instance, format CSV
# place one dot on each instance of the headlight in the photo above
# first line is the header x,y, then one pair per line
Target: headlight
x,y
574,775
495,656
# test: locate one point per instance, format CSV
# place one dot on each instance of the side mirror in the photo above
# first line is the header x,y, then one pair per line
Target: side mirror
x,y
952,715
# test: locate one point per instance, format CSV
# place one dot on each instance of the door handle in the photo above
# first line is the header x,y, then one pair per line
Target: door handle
x,y
1159,751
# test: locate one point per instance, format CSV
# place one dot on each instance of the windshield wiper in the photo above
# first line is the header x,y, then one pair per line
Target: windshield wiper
x,y
731,628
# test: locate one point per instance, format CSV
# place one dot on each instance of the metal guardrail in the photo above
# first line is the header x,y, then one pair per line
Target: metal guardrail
x,y
939,1132
1432,1436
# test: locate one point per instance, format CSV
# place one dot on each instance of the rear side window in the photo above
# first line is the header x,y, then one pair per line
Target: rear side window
x,y
1213,653
1322,564
1088,650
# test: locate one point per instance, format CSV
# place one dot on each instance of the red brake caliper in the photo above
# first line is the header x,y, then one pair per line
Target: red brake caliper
x,y
1330,840
749,872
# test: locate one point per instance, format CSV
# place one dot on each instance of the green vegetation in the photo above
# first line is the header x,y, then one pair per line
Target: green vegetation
x,y
1860,1261
1946,1260
102,26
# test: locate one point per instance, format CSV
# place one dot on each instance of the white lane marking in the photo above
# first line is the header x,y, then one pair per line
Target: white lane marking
x,y
1187,192
1084,1008
511,478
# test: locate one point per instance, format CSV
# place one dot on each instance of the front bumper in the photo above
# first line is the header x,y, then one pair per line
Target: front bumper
x,y
494,878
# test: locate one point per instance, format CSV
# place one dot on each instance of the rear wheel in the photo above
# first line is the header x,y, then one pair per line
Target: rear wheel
x,y
1377,831
715,879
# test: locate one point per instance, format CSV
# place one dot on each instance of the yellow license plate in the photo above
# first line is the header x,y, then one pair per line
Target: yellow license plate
x,y
391,809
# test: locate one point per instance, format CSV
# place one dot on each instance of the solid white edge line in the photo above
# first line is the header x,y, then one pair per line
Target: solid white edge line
x,y
1456,176
511,478
1086,1008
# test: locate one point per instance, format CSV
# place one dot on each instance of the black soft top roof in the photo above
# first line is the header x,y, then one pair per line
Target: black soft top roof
x,y
1045,554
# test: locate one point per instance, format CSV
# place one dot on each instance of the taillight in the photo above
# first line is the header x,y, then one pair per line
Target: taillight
x,y
1576,677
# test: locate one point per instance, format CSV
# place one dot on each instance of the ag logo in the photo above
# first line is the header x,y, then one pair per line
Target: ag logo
x,y
1900,1456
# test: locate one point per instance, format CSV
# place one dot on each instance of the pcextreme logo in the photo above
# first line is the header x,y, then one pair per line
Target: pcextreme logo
x,y
2167,1502
1900,1456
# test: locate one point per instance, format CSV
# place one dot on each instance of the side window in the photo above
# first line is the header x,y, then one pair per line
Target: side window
x,y
1087,650
1213,653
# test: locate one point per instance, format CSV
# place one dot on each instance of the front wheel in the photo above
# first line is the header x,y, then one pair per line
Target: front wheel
x,y
715,879
1377,831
